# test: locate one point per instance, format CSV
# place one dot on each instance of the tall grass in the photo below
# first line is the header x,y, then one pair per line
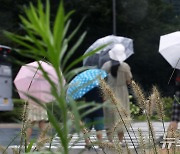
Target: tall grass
x,y
150,105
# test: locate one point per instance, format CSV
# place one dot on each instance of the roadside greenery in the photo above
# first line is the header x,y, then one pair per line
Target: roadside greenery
x,y
136,112
49,41
138,115
14,116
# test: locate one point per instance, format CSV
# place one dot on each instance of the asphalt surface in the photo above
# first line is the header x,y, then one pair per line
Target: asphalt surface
x,y
10,135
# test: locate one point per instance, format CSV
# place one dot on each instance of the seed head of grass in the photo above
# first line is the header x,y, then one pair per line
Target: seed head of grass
x,y
139,95
158,101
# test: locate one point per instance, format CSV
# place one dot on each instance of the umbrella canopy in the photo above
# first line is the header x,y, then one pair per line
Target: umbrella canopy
x,y
169,48
30,80
111,40
84,82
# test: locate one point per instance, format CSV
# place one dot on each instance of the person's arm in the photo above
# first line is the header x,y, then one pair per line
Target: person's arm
x,y
128,75
128,82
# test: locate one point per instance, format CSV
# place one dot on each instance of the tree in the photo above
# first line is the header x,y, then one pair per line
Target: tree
x,y
144,21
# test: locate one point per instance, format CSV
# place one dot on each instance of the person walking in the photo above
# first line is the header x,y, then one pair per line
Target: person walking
x,y
119,77
95,118
175,118
36,115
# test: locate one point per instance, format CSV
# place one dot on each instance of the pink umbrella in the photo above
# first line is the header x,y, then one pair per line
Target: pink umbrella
x,y
30,80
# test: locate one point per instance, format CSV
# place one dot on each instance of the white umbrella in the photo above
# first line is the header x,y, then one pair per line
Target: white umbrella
x,y
111,40
169,48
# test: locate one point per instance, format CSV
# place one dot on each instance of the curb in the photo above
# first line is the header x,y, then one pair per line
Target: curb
x,y
10,125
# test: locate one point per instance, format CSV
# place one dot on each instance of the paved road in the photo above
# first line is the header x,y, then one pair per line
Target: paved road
x,y
134,135
12,136
9,132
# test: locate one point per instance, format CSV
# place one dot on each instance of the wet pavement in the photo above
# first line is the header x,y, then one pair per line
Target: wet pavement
x,y
10,135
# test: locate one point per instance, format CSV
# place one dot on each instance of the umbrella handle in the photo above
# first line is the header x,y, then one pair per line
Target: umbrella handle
x,y
171,76
173,72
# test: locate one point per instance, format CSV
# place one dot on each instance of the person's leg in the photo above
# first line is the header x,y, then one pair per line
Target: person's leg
x,y
99,135
88,125
174,119
29,131
42,127
120,136
87,141
109,135
173,125
98,123
172,129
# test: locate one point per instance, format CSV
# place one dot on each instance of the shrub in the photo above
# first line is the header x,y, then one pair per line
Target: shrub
x,y
13,116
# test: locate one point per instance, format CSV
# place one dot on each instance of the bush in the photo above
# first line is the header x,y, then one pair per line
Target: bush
x,y
137,113
14,115
168,102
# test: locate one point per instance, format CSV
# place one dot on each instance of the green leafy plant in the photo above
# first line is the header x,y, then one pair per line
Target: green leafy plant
x,y
137,113
50,42
15,115
135,110
168,102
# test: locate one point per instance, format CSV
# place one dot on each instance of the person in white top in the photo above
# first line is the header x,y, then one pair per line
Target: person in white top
x,y
119,77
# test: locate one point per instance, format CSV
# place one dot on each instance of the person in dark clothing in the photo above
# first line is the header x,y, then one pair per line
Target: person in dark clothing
x,y
95,118
175,119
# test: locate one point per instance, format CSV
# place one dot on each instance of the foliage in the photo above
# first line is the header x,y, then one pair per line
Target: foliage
x,y
168,103
144,21
137,113
135,110
49,41
15,115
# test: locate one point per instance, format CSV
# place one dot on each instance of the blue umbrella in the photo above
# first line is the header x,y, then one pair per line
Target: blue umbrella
x,y
84,82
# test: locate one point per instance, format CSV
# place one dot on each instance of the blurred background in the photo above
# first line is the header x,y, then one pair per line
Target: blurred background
x,y
144,21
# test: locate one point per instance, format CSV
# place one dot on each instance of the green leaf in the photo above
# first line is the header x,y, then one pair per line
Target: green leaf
x,y
75,30
57,127
94,106
66,28
67,16
59,27
69,75
71,51
20,40
83,57
30,146
40,42
47,15
75,113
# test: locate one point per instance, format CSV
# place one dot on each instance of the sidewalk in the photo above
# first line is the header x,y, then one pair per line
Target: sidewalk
x,y
135,124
